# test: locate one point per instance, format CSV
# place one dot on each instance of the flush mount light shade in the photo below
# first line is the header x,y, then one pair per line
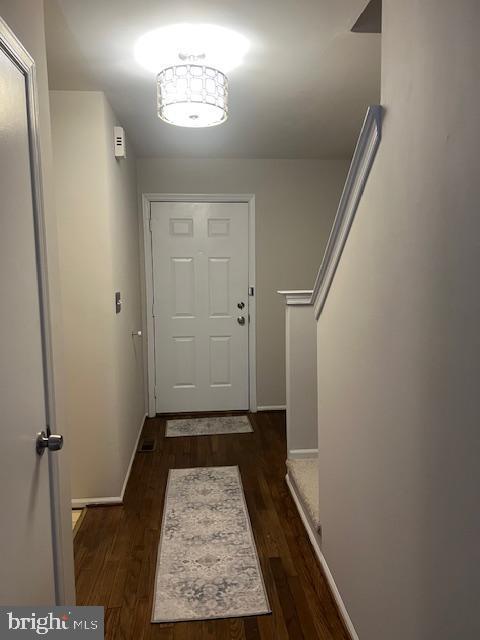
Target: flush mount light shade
x,y
192,95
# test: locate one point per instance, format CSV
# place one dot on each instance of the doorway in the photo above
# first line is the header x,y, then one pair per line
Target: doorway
x,y
35,565
200,292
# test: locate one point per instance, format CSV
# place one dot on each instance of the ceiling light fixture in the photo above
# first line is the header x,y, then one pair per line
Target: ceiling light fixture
x,y
191,62
192,95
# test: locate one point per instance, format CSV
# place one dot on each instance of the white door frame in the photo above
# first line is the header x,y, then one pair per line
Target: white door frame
x,y
149,344
62,550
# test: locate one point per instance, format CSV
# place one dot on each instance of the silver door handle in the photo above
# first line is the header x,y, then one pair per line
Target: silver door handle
x,y
241,320
52,442
136,333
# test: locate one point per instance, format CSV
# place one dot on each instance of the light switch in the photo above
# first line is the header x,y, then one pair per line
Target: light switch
x,y
118,302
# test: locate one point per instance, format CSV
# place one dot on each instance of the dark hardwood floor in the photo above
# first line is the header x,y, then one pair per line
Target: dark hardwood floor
x,y
116,546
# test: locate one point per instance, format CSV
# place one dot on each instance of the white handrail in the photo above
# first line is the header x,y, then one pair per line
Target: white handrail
x,y
360,166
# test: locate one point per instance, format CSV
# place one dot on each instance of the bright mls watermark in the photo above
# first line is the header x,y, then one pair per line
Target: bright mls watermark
x,y
60,622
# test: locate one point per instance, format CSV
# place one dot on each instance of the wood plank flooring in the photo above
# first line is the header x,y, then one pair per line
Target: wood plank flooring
x,y
116,546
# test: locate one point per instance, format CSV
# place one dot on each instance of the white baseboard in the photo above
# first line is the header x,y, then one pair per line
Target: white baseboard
x,y
273,407
77,503
132,458
295,454
315,540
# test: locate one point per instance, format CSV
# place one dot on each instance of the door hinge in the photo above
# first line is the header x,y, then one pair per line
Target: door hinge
x,y
150,224
251,291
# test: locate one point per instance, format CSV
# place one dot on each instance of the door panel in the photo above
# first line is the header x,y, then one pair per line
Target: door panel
x,y
183,287
219,287
184,352
26,530
220,361
200,274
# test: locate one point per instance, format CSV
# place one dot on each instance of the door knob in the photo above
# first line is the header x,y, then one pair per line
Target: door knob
x,y
52,442
241,319
241,305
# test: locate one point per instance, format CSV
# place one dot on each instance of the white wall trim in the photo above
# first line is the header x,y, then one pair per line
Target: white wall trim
x,y
315,540
78,503
149,343
360,166
272,407
132,457
294,298
297,454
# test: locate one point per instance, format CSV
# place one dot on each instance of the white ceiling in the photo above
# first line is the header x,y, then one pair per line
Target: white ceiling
x,y
301,93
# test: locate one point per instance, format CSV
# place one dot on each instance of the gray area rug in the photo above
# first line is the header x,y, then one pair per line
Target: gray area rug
x,y
216,425
207,564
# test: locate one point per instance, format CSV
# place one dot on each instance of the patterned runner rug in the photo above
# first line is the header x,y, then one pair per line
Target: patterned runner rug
x,y
207,564
208,426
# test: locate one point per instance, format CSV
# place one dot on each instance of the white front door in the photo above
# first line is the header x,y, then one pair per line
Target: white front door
x,y
200,290
27,570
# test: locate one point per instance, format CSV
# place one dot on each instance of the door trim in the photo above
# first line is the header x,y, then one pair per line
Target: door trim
x,y
149,343
62,550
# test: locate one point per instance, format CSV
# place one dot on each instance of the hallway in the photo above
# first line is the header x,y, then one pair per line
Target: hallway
x,y
115,548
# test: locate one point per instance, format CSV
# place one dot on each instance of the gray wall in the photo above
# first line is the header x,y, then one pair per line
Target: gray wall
x,y
301,343
296,201
399,347
96,199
